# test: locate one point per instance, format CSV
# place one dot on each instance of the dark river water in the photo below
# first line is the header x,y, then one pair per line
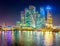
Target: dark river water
x,y
29,38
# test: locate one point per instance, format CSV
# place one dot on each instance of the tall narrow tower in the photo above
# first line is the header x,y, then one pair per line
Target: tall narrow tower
x,y
22,17
27,17
49,17
42,15
32,11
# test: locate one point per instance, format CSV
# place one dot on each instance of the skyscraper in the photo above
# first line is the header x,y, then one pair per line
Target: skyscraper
x,y
27,17
49,18
22,17
31,17
32,11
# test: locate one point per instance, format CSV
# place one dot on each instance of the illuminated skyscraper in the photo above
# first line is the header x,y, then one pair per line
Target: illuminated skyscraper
x,y
32,11
32,21
42,12
42,16
27,17
49,18
22,22
31,17
22,17
37,21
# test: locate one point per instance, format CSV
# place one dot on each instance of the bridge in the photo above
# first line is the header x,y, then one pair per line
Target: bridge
x,y
19,28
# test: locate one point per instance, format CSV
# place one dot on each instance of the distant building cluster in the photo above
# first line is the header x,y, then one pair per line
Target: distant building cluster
x,y
31,17
36,19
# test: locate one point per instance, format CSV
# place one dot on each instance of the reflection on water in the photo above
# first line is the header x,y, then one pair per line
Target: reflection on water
x,y
48,39
29,38
0,38
57,39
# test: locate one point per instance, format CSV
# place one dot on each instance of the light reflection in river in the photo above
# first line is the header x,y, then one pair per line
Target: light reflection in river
x,y
48,39
57,39
29,38
0,38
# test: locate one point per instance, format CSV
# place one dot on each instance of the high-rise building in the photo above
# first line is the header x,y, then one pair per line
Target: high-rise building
x,y
32,21
42,16
42,12
32,11
49,18
27,17
22,17
31,17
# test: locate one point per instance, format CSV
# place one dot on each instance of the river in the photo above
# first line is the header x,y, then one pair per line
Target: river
x,y
29,38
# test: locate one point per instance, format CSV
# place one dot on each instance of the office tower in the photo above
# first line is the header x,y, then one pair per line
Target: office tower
x,y
37,19
49,17
32,21
42,15
32,15
22,17
27,17
42,12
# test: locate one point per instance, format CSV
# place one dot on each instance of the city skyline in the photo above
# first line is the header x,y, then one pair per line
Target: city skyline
x,y
29,23
11,13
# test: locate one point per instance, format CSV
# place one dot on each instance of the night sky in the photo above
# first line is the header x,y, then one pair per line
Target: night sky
x,y
10,9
